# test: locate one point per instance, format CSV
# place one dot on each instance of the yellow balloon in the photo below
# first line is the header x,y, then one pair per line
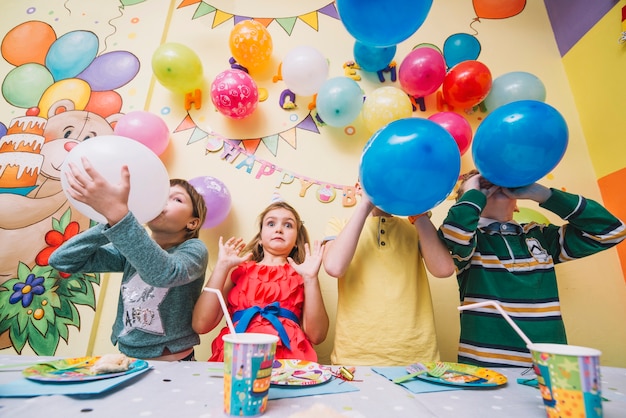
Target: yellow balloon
x,y
526,215
251,44
384,105
177,67
74,89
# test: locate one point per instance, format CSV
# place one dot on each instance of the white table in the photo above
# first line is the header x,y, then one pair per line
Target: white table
x,y
195,389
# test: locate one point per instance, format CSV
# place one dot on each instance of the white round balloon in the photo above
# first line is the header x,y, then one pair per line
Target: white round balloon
x,y
149,180
304,69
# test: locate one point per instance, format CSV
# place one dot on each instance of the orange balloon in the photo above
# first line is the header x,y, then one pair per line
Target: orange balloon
x,y
251,44
498,9
28,42
467,84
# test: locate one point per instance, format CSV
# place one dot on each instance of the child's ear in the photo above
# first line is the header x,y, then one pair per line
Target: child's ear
x,y
193,224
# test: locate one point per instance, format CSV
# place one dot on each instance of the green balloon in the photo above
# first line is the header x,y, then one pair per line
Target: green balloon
x,y
24,85
177,67
526,215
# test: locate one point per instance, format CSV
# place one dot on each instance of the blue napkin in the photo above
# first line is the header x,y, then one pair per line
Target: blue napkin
x,y
415,385
25,388
332,386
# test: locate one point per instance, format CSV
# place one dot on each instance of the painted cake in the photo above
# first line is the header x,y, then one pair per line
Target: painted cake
x,y
20,152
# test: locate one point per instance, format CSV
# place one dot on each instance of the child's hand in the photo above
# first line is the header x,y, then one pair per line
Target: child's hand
x,y
228,252
534,191
310,267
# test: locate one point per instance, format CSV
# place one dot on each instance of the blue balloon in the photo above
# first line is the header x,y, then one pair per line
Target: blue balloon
x,y
70,54
339,101
382,23
460,47
409,166
373,58
519,143
513,87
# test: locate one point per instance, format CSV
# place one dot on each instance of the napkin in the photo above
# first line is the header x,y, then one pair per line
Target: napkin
x,y
332,386
25,388
415,385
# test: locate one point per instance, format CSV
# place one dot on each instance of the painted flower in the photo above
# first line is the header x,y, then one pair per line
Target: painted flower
x,y
54,239
26,291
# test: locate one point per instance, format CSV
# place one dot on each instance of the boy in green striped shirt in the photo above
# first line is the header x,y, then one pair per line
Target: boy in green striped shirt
x,y
498,259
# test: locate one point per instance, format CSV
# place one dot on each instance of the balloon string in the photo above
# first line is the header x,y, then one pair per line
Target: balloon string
x,y
476,19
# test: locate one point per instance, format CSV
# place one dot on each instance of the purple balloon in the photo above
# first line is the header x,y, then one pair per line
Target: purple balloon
x,y
110,71
217,199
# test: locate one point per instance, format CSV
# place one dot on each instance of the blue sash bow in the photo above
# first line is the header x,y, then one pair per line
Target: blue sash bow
x,y
270,312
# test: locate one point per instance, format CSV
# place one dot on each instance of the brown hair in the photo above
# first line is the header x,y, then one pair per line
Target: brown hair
x,y
297,253
197,203
484,183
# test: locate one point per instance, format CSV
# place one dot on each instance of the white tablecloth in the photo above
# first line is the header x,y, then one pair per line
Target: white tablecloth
x,y
195,389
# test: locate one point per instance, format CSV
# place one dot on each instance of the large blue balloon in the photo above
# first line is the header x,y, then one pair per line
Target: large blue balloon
x,y
373,58
409,166
460,47
382,23
519,143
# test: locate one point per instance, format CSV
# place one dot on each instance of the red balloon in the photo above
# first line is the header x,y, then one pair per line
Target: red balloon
x,y
467,84
498,9
104,103
457,126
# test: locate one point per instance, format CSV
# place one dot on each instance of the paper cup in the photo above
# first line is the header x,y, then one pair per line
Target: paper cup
x,y
569,379
248,359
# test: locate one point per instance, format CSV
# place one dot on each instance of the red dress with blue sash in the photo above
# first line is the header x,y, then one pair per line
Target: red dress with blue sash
x,y
270,300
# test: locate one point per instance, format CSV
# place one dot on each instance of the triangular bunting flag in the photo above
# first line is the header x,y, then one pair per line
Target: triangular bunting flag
x,y
265,21
197,135
310,19
203,10
187,123
287,23
220,17
251,145
186,3
271,142
330,10
289,137
308,124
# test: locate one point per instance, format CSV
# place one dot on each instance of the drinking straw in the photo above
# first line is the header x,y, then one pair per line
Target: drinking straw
x,y
223,304
506,316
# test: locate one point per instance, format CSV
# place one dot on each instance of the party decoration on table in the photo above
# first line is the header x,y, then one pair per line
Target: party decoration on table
x,y
409,166
234,94
251,44
422,71
457,126
457,374
497,9
381,23
514,135
304,69
418,369
514,86
299,373
216,197
527,215
467,84
177,67
384,105
149,180
146,128
339,101
373,58
62,371
460,47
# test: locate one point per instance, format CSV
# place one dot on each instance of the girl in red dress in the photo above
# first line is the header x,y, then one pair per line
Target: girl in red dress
x,y
270,286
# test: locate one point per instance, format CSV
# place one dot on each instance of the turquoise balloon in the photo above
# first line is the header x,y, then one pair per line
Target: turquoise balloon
x,y
512,87
24,85
519,143
339,101
382,23
460,47
373,58
409,166
70,54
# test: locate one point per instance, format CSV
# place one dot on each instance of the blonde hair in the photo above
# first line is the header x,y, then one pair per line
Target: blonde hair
x,y
297,252
197,203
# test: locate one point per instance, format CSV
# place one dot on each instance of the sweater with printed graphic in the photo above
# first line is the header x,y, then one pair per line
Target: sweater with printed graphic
x,y
159,287
514,265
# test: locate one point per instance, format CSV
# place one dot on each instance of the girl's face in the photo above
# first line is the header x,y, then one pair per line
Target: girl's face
x,y
279,232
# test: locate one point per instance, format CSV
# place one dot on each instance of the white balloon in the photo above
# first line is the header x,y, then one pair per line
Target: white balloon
x,y
149,180
304,69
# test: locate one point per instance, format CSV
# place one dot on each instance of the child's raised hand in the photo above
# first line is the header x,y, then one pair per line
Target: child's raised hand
x,y
228,252
310,267
534,191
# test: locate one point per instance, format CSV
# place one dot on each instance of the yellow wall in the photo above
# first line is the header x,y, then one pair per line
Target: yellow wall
x,y
592,290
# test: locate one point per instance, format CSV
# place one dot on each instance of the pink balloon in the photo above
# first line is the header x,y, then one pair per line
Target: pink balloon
x,y
457,126
144,127
422,71
234,93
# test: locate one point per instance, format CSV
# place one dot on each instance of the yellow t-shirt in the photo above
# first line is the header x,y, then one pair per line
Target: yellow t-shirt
x,y
384,307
